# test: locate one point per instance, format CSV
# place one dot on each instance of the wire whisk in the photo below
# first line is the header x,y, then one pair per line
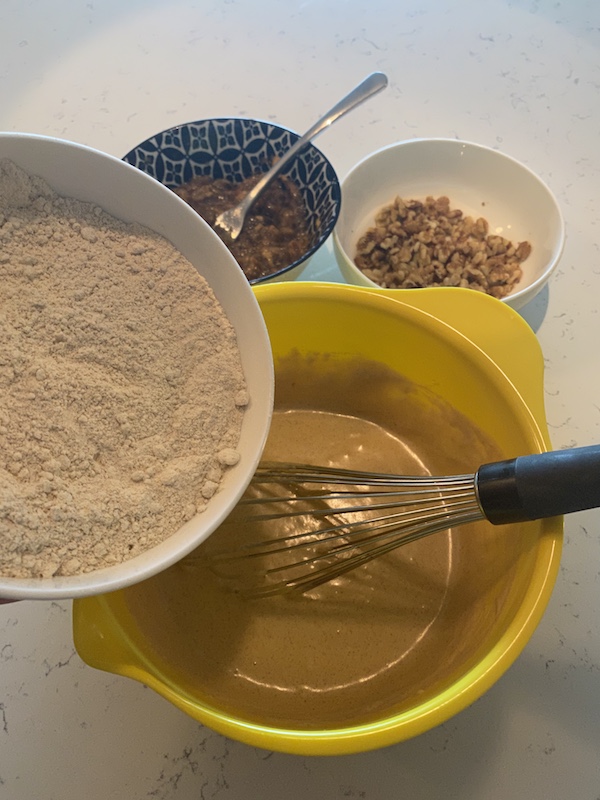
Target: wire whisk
x,y
324,522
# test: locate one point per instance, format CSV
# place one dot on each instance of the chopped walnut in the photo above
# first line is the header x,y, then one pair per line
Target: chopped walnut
x,y
416,244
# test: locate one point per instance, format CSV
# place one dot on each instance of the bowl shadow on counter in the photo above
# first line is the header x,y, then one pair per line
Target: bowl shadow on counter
x,y
535,311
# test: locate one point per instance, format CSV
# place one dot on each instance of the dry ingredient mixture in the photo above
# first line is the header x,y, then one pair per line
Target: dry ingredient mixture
x,y
121,386
275,233
416,244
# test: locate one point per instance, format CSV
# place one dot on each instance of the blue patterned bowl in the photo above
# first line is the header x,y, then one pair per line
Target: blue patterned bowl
x,y
236,148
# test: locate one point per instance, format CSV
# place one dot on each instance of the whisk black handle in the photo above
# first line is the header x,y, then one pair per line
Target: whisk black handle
x,y
537,486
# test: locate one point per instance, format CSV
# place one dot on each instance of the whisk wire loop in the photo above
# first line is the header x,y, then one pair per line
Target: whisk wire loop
x,y
342,529
344,522
347,528
272,471
336,568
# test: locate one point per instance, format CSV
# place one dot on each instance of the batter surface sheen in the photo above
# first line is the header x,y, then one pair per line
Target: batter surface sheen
x,y
348,651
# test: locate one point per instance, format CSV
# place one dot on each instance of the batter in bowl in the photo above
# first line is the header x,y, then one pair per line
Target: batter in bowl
x,y
372,640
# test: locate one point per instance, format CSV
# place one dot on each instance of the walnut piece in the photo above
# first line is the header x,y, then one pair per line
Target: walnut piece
x,y
416,244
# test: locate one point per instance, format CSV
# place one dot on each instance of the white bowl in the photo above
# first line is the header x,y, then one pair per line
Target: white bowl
x,y
478,180
129,194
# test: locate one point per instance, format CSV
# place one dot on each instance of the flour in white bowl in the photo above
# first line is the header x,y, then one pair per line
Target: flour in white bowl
x,y
121,387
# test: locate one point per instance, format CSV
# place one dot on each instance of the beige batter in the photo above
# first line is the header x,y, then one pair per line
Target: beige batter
x,y
374,639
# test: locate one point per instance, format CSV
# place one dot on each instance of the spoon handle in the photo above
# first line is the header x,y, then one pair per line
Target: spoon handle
x,y
371,85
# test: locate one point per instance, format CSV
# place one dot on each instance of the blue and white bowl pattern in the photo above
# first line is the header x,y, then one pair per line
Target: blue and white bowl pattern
x,y
236,148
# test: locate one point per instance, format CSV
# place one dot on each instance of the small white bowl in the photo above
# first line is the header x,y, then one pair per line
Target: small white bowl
x,y
478,180
129,194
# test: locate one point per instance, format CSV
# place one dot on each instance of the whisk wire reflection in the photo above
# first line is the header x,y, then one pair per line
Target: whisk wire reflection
x,y
351,529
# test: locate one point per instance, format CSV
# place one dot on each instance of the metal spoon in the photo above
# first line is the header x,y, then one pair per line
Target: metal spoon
x,y
232,220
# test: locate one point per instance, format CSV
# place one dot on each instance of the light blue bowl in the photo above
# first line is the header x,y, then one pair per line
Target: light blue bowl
x,y
235,148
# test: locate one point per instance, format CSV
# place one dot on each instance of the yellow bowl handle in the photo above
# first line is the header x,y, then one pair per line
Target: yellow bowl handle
x,y
100,641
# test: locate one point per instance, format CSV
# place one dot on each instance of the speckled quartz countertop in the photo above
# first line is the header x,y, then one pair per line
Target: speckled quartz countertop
x,y
519,75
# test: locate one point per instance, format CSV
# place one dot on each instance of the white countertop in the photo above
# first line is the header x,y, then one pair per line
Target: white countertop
x,y
519,75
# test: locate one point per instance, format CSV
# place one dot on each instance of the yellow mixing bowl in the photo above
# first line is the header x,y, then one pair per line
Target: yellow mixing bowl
x,y
483,359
